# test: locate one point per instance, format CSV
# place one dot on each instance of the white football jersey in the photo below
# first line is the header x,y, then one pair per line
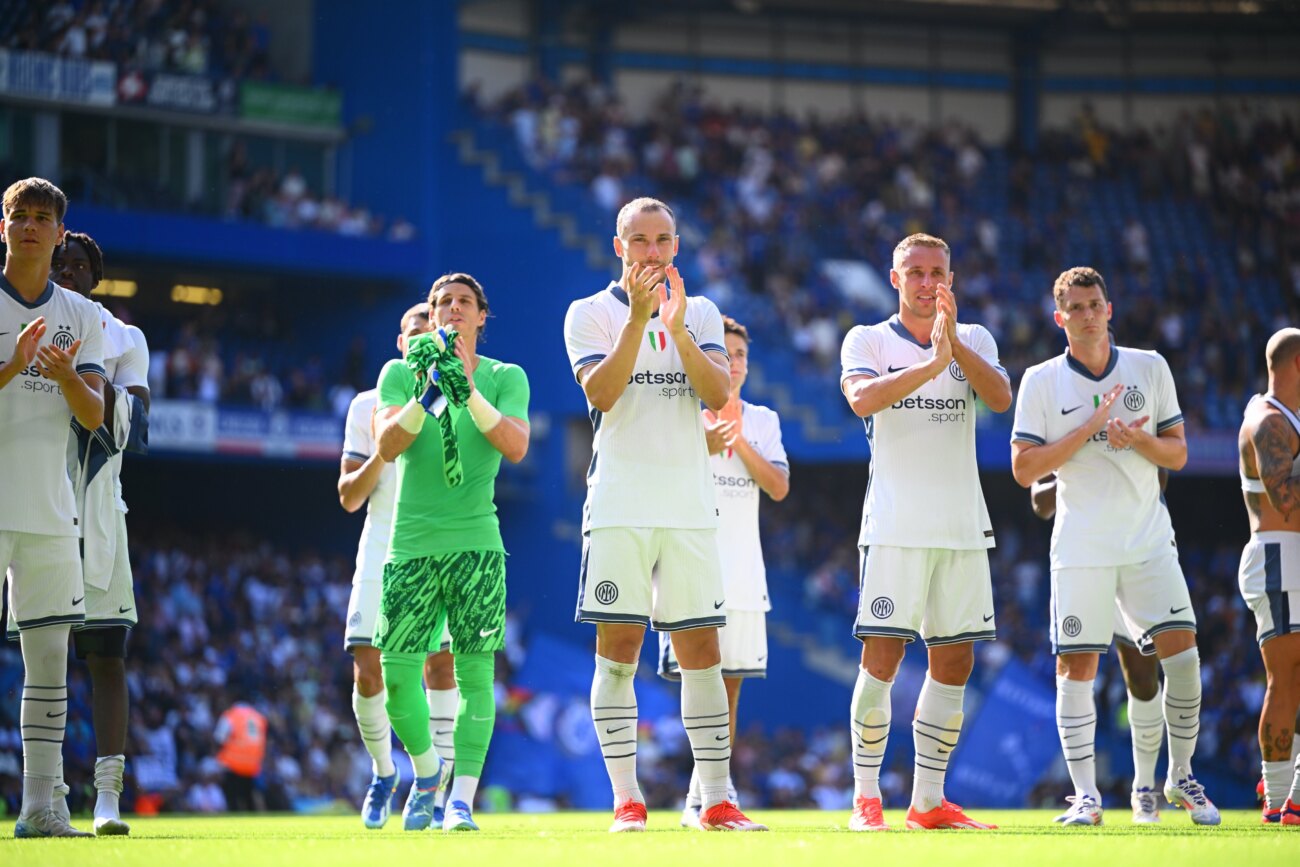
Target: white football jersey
x,y
924,487
744,574
358,445
36,493
1109,509
126,364
649,463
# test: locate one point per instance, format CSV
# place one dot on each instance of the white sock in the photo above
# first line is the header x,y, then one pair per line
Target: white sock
x,y
1146,722
1295,783
613,710
707,718
934,735
443,704
427,763
869,720
464,789
108,786
1076,723
44,714
1278,777
1182,709
376,731
1295,747
693,793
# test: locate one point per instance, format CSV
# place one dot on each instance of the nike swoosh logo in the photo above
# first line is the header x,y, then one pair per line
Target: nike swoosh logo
x,y
942,751
721,737
444,731
760,659
1071,409
123,610
77,601
480,718
717,605
1187,716
893,369
610,731
1177,610
55,715
988,617
484,633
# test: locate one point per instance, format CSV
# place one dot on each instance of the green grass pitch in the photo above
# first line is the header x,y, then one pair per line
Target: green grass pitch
x,y
1027,838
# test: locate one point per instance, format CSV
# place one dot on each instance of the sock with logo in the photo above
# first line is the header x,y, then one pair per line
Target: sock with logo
x,y
443,707
1076,723
1182,709
44,714
1146,723
376,732
613,710
477,713
934,736
869,719
407,709
707,718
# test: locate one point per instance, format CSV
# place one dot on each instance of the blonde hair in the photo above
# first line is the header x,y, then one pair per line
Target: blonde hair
x,y
920,239
638,206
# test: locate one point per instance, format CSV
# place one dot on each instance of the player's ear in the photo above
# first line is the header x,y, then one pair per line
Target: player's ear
x,y
894,279
677,240
618,246
1056,316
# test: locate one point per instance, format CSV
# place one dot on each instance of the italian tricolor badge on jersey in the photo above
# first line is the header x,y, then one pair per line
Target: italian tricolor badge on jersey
x,y
658,340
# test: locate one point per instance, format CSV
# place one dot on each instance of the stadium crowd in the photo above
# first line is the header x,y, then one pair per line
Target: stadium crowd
x,y
764,200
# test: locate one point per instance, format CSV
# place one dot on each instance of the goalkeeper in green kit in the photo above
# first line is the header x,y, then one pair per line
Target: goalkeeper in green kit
x,y
447,416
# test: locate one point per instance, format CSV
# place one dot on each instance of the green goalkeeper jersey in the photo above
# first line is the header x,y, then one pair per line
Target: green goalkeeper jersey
x,y
431,517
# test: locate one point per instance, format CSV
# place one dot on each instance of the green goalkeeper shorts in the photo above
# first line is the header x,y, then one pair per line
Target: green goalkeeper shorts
x,y
466,589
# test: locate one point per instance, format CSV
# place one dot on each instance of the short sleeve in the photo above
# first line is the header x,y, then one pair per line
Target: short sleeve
x,y
513,392
770,445
133,367
860,353
396,384
90,355
1030,425
981,341
585,338
1167,413
709,333
358,440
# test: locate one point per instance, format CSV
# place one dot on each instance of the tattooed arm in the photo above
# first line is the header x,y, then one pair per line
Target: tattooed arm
x,y
1275,448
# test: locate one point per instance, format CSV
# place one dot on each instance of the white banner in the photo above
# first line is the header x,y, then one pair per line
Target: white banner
x,y
44,76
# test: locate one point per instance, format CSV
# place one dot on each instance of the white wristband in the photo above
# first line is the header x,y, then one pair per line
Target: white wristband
x,y
411,417
485,415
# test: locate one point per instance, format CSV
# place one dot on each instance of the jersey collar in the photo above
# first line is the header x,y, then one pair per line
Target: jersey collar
x,y
901,330
617,291
13,293
1079,367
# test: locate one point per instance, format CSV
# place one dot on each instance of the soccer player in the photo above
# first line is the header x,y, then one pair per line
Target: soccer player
x,y
106,563
53,342
744,443
365,477
1141,676
446,559
1104,418
1269,444
646,356
926,532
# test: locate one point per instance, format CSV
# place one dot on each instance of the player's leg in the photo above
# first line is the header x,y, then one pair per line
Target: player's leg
x,y
444,702
891,606
688,603
369,698
47,595
1153,596
1082,626
409,624
104,650
474,584
614,592
958,612
1276,720
1146,718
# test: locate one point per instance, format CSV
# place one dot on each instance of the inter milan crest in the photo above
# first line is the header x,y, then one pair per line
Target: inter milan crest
x,y
955,371
1072,626
1133,400
606,593
63,338
882,607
